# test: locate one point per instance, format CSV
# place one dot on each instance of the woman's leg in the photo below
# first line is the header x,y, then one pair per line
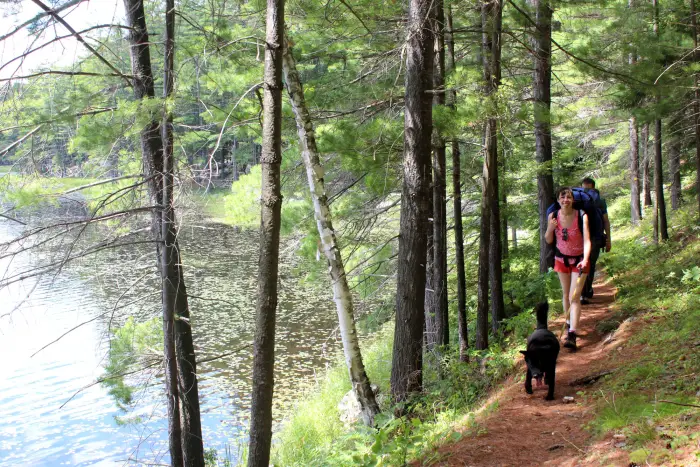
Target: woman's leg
x,y
565,280
575,313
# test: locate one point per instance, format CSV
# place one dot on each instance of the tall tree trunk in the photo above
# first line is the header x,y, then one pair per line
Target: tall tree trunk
x,y
439,302
660,226
329,242
646,172
270,219
151,141
503,200
457,208
635,201
489,142
481,340
407,364
431,319
543,129
696,101
174,291
152,157
491,51
674,161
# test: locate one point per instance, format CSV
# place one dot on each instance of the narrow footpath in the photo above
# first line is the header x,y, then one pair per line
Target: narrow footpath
x,y
526,430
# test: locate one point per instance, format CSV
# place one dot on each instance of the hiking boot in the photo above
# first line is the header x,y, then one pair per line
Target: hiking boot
x,y
585,301
570,341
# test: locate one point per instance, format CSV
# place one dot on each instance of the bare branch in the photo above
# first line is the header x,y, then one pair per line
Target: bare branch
x,y
39,16
27,274
81,40
101,182
19,141
12,218
356,16
66,73
58,39
108,216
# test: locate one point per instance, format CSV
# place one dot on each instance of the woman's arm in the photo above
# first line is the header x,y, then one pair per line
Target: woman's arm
x,y
586,243
551,226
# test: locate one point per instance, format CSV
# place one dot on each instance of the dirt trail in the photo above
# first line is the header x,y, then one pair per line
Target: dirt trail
x,y
526,430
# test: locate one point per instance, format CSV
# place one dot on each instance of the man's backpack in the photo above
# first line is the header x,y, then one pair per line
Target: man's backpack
x,y
588,201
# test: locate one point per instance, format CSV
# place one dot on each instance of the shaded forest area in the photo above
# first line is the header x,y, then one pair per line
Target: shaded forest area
x,y
407,150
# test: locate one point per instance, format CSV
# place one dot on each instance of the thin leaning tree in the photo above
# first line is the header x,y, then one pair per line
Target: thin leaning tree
x,y
185,434
329,242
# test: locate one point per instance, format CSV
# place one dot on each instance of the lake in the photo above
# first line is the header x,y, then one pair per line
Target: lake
x,y
51,410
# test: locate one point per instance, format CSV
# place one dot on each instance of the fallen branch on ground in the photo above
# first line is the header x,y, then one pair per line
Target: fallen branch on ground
x,y
590,378
684,405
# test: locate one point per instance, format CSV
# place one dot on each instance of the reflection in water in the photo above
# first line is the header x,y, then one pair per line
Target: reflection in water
x,y
38,427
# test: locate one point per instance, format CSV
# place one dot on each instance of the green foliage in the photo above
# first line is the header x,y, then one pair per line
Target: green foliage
x,y
622,410
132,347
657,286
314,434
241,207
315,426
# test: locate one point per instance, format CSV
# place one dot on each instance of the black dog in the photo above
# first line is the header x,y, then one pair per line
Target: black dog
x,y
541,354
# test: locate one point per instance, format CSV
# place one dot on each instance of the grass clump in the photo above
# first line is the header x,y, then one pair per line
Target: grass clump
x,y
650,396
314,434
308,436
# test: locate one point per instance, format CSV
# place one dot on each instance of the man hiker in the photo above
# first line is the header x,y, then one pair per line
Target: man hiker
x,y
589,184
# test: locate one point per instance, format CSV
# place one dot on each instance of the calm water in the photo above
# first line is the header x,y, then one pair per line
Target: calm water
x,y
40,425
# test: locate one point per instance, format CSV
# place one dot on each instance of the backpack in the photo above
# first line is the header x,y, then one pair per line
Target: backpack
x,y
588,201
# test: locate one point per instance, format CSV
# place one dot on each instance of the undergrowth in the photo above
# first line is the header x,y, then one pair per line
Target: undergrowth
x,y
452,390
314,435
652,398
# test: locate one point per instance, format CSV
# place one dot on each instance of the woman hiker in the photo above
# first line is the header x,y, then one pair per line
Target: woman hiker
x,y
572,251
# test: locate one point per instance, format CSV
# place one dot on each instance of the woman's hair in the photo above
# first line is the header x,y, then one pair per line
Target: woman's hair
x,y
563,190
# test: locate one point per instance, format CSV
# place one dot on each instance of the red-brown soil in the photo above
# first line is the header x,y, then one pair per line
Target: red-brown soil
x,y
526,430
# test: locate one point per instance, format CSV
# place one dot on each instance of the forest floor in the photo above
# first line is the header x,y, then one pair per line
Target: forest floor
x,y
517,429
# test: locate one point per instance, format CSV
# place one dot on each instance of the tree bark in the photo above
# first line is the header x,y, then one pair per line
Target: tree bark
x,y
503,200
151,141
407,365
152,160
646,172
482,307
457,208
439,302
491,222
635,201
175,302
635,185
431,319
696,102
674,162
271,206
324,223
660,228
543,130
660,225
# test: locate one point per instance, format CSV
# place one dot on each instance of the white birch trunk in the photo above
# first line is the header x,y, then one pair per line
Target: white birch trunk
x,y
329,243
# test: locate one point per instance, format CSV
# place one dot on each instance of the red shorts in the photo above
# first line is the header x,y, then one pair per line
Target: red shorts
x,y
562,265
